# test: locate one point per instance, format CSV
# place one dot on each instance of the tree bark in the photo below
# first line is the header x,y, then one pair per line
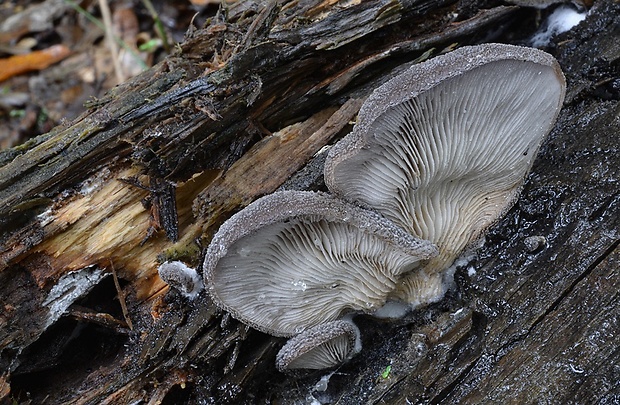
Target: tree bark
x,y
238,110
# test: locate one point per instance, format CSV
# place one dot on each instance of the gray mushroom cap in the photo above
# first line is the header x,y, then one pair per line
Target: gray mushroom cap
x,y
542,3
323,346
181,277
443,149
292,260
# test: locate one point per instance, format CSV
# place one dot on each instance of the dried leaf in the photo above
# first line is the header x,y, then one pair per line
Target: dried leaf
x,y
36,60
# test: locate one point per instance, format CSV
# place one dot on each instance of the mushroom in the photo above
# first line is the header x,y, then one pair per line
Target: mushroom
x,y
323,346
181,277
543,3
292,260
443,149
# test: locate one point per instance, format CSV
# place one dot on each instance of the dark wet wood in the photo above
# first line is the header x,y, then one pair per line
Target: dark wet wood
x,y
245,103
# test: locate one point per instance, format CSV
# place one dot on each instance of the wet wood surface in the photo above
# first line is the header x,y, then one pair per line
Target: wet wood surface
x,y
244,104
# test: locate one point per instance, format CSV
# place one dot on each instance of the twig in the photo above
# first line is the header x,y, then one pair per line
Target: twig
x,y
102,27
121,297
107,21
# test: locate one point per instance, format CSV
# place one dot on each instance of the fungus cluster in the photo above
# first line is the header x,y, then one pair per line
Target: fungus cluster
x,y
437,155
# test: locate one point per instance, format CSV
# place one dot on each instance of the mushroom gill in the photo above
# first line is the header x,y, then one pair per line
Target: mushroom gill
x,y
292,260
443,149
322,346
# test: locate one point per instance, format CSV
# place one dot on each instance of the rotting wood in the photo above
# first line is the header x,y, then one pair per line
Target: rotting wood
x,y
293,72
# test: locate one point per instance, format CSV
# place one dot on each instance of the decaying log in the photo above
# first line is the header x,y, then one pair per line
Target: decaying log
x,y
242,106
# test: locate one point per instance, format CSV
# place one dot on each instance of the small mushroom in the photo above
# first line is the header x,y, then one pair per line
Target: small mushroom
x,y
181,277
292,260
443,149
542,3
323,346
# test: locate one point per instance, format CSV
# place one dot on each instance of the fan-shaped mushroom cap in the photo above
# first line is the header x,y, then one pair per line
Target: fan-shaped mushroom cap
x,y
292,260
322,346
443,149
